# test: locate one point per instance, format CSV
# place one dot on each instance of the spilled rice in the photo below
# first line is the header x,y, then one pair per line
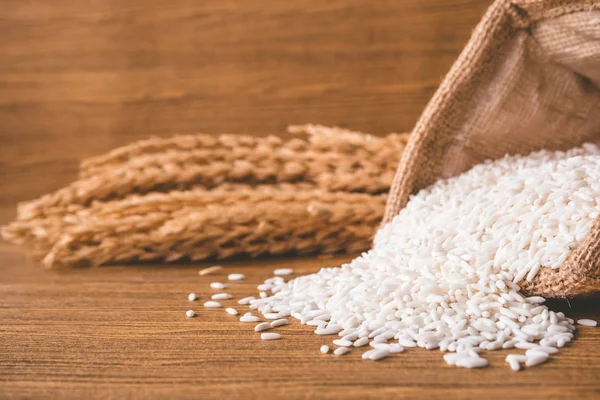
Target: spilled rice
x,y
445,273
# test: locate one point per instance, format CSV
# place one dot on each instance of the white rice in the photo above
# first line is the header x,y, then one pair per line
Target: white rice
x,y
445,272
263,326
249,318
514,365
246,300
192,297
270,336
221,296
340,351
218,285
342,343
587,322
279,322
283,272
535,359
377,354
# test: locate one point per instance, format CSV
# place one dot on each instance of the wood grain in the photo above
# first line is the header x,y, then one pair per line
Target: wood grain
x,y
78,78
121,332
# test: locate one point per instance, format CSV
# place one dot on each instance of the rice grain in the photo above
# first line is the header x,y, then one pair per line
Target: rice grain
x,y
210,270
587,322
447,271
270,336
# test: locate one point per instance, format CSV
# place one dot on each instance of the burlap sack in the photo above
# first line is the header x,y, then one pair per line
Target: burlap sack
x,y
528,79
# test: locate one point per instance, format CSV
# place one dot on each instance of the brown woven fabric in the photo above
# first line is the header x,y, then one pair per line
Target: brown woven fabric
x,y
528,79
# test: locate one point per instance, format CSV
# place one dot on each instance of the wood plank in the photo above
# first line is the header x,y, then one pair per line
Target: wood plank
x,y
79,78
116,332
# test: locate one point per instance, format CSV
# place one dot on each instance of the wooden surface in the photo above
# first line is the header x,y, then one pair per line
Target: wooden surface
x,y
79,77
121,332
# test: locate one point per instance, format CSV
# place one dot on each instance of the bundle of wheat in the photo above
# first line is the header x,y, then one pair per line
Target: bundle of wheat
x,y
199,196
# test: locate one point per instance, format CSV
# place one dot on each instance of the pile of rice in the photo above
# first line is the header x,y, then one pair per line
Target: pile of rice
x,y
445,272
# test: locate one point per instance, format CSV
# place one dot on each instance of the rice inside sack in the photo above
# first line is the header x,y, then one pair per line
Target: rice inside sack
x,y
527,80
445,272
521,213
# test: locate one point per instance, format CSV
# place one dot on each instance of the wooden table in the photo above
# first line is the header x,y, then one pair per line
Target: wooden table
x,y
81,77
121,332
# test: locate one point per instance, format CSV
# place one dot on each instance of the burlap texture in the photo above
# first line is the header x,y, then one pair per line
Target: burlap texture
x,y
528,79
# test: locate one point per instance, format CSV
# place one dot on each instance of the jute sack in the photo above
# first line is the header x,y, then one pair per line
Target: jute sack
x,y
528,79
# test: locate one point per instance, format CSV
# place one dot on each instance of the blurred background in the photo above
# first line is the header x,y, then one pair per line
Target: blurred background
x,y
79,77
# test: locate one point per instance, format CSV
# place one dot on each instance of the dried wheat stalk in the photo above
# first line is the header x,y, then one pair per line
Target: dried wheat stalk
x,y
320,138
332,160
49,227
201,223
121,155
199,196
